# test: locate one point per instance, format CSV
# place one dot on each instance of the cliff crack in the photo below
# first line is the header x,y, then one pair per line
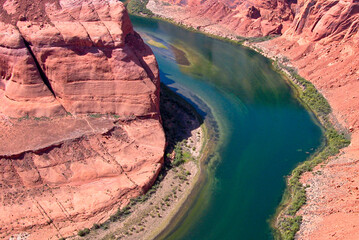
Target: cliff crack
x,y
41,72
109,33
113,160
45,215
88,35
78,21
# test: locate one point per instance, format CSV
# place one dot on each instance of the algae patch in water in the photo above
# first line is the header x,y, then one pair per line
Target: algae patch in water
x,y
180,56
193,63
156,44
154,41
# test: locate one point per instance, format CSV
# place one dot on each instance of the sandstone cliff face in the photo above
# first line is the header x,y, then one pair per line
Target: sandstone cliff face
x,y
80,129
320,38
230,17
75,57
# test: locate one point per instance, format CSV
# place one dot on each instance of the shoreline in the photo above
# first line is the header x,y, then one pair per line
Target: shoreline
x,y
324,120
208,145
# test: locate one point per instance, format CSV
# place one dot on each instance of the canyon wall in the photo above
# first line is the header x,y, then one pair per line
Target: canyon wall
x,y
229,17
319,38
80,128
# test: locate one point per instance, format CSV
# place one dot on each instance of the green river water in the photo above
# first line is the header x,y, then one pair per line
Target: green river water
x,y
261,131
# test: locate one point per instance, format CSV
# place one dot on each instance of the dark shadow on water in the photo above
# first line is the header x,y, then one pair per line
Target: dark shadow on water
x,y
194,101
179,117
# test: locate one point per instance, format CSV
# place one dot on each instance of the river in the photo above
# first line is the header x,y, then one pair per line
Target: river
x,y
261,131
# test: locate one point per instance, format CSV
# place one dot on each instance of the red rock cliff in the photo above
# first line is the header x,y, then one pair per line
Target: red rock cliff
x,y
80,131
230,17
74,56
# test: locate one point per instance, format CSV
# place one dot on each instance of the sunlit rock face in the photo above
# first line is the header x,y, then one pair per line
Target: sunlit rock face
x,y
80,130
230,17
74,56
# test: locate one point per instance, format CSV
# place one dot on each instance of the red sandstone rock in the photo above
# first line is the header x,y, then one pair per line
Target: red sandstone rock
x,y
253,12
77,173
59,173
90,56
243,18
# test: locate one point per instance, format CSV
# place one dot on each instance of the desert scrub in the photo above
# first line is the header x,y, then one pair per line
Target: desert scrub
x,y
181,155
256,39
96,115
26,117
287,222
43,118
138,7
307,93
83,232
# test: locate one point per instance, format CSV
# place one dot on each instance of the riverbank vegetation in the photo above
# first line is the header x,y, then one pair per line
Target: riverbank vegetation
x,y
138,7
256,39
286,221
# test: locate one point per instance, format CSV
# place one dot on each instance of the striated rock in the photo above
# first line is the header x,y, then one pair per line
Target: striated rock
x,y
321,43
101,67
66,174
80,128
229,18
22,89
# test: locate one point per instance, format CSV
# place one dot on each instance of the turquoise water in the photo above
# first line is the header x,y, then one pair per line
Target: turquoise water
x,y
263,132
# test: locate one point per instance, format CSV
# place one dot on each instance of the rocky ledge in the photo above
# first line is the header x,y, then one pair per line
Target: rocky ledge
x,y
80,129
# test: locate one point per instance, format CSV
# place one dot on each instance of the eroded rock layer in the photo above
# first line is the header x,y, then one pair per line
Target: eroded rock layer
x,y
77,57
80,131
78,174
229,18
320,38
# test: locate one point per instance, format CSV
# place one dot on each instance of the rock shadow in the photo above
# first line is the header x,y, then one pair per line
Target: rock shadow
x,y
179,118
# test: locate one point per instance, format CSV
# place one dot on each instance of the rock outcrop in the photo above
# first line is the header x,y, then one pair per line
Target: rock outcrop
x,y
229,18
77,59
320,38
80,128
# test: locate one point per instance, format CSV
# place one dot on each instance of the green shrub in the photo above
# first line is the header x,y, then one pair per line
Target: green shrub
x,y
114,218
83,232
95,226
95,115
178,160
104,225
290,226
